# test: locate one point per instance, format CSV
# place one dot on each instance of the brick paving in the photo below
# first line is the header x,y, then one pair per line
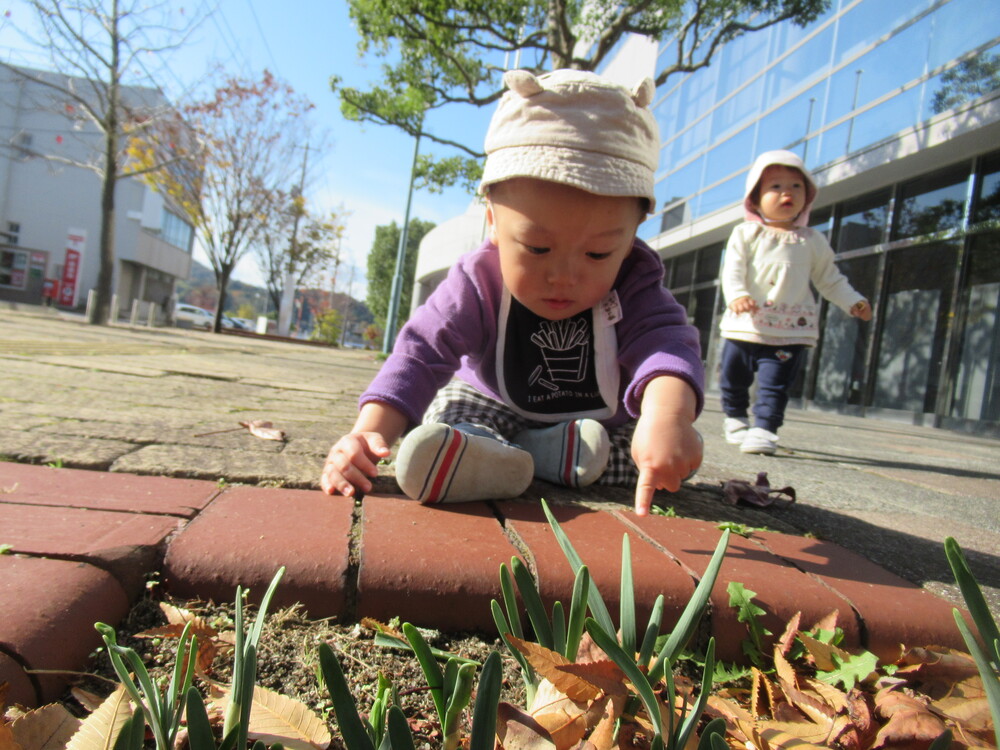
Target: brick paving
x,y
159,489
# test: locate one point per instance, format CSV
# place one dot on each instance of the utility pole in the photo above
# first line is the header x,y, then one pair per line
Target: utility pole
x,y
397,279
288,297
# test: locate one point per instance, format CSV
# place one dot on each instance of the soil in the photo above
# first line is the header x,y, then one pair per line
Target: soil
x,y
288,661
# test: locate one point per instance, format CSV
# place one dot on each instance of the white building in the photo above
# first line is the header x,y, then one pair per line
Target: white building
x,y
51,210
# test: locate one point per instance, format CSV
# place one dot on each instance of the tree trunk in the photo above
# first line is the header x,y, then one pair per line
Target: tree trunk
x,y
221,283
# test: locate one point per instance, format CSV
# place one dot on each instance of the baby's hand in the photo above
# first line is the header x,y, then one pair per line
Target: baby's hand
x,y
351,461
862,310
666,449
745,304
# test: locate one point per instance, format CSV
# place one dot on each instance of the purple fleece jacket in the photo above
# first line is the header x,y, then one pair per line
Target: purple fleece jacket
x,y
454,334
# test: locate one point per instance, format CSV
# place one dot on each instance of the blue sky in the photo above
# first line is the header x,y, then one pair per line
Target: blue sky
x,y
365,169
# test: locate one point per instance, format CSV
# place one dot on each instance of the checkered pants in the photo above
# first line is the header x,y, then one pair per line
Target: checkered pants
x,y
460,403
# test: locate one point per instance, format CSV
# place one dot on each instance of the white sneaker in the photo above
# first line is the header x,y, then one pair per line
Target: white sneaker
x,y
439,464
759,440
736,429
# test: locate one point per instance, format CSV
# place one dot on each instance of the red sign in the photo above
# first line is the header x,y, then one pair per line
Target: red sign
x,y
50,288
71,268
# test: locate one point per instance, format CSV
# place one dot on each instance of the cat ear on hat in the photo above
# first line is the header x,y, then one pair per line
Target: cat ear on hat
x,y
522,82
642,92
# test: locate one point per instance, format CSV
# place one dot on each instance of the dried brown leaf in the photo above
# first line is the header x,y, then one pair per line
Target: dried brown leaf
x,y
793,734
546,663
603,736
828,623
90,701
974,715
784,643
941,673
100,730
46,728
889,701
911,729
605,675
278,718
784,670
589,651
829,694
264,430
518,730
822,653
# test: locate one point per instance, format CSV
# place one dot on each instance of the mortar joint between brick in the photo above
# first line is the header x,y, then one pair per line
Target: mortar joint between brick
x,y
515,540
353,571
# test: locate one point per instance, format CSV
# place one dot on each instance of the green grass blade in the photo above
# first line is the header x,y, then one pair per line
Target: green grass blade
x,y
430,668
577,612
399,731
715,728
246,692
991,683
345,709
258,624
943,741
528,589
691,721
558,628
627,599
390,641
461,694
973,596
133,732
607,643
598,609
692,613
510,600
200,736
652,632
484,714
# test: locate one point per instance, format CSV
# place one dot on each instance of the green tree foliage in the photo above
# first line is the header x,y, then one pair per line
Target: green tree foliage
x,y
329,327
968,80
382,266
440,53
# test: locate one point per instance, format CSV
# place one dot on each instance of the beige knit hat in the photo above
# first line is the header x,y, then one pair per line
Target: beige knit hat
x,y
576,128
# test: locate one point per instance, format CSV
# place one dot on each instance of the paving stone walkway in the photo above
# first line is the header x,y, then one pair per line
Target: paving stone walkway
x,y
142,479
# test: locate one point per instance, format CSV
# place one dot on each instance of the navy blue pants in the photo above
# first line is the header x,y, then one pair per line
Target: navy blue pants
x,y
776,368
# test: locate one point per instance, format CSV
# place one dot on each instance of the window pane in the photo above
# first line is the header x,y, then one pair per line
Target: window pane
x,y
932,204
866,22
888,118
683,270
988,202
733,155
721,196
863,222
965,82
844,348
792,121
977,382
960,26
704,309
685,181
916,310
738,109
805,62
709,260
822,222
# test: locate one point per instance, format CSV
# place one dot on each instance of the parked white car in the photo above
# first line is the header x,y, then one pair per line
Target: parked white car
x,y
189,316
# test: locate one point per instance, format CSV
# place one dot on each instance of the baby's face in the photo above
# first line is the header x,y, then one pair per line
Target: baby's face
x,y
560,247
782,195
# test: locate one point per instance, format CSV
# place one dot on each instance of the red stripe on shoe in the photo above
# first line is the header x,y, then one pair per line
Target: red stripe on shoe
x,y
447,464
570,441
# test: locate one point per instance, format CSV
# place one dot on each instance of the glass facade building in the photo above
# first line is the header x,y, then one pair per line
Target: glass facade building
x,y
895,108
